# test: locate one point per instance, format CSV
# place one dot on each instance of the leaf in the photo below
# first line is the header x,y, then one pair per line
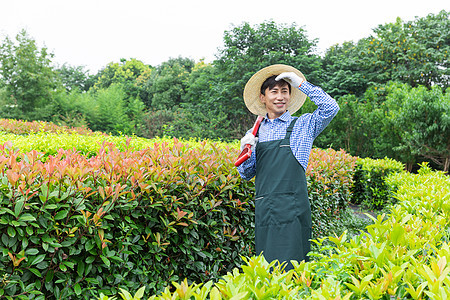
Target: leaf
x,y
80,268
49,275
11,232
125,294
18,207
51,206
31,251
6,210
35,272
140,293
215,294
26,217
180,213
397,234
239,296
5,239
105,260
89,245
61,214
62,267
77,289
38,259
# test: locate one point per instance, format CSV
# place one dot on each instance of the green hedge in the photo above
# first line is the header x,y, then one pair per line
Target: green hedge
x,y
85,213
329,177
403,255
76,226
369,186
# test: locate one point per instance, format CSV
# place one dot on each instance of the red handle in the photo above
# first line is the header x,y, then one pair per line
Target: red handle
x,y
247,151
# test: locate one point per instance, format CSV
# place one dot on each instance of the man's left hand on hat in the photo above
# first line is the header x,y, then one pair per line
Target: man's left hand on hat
x,y
294,80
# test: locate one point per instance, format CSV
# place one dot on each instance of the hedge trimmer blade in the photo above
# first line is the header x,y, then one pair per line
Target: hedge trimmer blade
x,y
247,151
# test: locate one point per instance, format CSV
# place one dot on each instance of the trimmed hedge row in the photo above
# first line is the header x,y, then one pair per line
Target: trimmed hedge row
x,y
330,177
403,255
24,127
49,143
369,186
77,226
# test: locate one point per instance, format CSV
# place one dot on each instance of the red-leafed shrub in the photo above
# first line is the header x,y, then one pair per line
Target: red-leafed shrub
x,y
77,226
24,127
121,219
330,175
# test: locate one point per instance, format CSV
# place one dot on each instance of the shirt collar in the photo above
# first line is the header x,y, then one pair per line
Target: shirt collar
x,y
286,117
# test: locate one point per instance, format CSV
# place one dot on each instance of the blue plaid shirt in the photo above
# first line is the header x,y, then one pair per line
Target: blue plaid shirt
x,y
306,129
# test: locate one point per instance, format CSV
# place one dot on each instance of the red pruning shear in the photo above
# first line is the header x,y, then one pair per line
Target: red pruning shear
x,y
247,151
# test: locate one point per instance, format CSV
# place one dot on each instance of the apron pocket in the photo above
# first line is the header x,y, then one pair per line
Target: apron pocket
x,y
281,208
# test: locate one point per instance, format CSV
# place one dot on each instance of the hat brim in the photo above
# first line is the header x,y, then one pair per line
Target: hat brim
x,y
252,90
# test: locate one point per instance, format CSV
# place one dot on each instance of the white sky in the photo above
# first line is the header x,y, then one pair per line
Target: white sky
x,y
93,33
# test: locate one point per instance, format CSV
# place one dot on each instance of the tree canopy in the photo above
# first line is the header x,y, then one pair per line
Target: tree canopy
x,y
392,87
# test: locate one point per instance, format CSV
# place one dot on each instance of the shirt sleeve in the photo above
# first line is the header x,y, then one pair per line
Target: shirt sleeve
x,y
247,169
327,108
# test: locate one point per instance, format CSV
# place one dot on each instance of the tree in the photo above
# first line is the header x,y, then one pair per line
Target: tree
x,y
167,84
30,80
125,73
248,49
108,111
414,52
75,78
344,73
424,121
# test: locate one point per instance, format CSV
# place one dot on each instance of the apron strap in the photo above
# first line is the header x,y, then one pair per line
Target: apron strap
x,y
290,128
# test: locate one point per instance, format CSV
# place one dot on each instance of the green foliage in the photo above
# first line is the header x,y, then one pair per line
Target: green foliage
x,y
393,120
76,227
413,52
249,48
30,81
130,74
48,139
108,110
403,255
369,182
145,213
75,78
344,73
424,117
19,127
329,176
167,84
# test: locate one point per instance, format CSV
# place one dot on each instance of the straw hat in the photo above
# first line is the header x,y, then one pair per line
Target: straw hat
x,y
252,90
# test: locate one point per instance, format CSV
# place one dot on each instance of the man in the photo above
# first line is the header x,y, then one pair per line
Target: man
x,y
280,158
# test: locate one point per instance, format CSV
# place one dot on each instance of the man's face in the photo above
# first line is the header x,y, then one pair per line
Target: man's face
x,y
276,100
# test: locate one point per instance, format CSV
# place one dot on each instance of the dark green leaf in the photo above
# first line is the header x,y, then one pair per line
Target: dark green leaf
x,y
61,214
11,232
38,259
77,289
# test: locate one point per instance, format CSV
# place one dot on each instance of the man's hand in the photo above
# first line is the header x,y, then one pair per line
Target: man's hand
x,y
293,79
249,138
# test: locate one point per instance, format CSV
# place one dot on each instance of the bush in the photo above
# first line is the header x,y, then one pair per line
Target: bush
x,y
74,226
404,255
369,186
25,128
117,212
329,177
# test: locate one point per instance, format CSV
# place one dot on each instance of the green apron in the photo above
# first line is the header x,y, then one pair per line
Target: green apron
x,y
283,212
